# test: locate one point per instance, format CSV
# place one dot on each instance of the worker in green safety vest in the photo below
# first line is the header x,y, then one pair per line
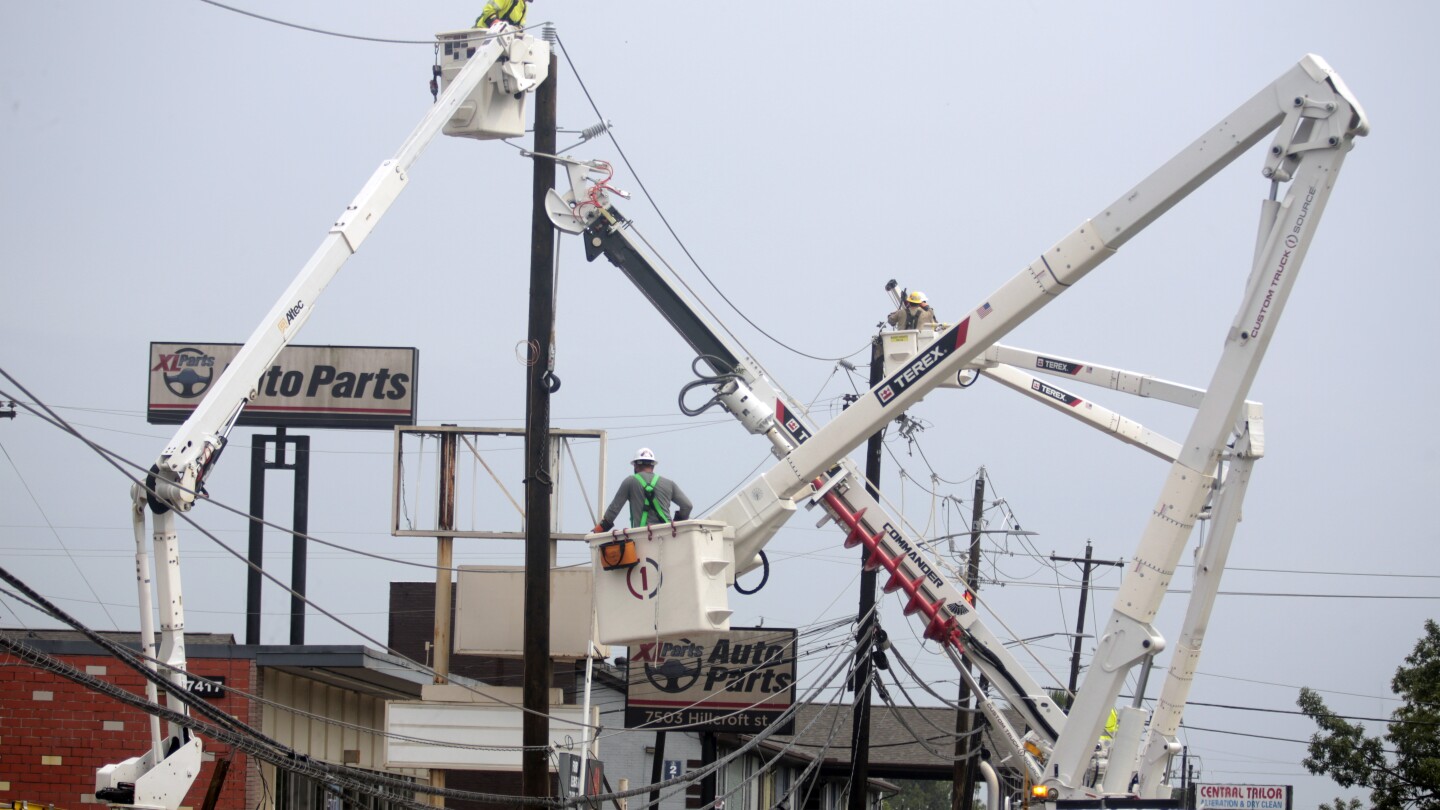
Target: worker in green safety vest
x,y
649,496
1112,724
508,11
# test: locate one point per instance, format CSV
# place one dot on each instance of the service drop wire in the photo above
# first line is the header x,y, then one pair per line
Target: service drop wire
x,y
229,730
115,460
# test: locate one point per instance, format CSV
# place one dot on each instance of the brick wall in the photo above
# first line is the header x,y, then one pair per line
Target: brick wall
x,y
55,734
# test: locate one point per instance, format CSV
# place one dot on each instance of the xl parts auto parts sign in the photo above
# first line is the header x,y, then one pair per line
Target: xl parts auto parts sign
x,y
740,681
366,387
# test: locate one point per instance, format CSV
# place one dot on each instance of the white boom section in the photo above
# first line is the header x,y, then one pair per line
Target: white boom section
x,y
1318,120
185,460
1092,414
1116,379
157,780
1322,120
1161,742
764,408
1304,91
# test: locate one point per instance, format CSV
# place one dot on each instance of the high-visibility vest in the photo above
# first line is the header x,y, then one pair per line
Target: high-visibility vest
x,y
508,15
1112,724
650,504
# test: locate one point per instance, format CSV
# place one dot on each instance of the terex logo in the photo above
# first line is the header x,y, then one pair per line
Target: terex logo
x,y
1057,366
187,372
790,423
902,380
1055,393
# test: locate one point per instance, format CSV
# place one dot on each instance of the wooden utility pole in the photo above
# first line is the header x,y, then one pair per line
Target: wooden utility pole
x,y
1086,565
965,747
535,727
860,722
444,562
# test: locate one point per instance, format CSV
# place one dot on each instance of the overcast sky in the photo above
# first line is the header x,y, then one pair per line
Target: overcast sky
x,y
173,164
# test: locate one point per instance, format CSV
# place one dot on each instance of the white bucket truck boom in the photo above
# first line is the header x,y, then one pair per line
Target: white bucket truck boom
x,y
1315,120
487,76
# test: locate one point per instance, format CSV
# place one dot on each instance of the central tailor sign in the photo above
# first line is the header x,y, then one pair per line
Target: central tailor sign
x,y
1243,797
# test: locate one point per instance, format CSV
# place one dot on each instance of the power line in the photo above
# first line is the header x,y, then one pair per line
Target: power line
x,y
1021,584
610,133
1296,711
319,30
56,534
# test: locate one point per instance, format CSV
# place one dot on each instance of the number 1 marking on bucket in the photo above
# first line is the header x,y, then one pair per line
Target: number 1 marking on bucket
x,y
642,590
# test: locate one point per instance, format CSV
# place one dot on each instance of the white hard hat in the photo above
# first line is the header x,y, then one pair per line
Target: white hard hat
x,y
645,455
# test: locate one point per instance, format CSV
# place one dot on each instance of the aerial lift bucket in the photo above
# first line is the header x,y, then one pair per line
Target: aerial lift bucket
x,y
902,346
662,581
497,107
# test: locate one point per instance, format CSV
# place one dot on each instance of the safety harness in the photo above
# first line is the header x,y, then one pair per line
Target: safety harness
x,y
650,504
912,317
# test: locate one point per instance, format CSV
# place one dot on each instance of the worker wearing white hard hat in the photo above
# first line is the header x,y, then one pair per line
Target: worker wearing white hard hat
x,y
914,313
650,497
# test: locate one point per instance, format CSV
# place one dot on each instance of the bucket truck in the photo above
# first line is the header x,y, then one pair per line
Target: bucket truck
x,y
486,76
1315,120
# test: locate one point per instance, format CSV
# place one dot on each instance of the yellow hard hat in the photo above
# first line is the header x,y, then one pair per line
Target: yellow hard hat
x,y
916,297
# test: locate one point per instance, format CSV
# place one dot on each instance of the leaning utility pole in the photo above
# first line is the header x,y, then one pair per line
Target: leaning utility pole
x,y
860,722
535,726
964,774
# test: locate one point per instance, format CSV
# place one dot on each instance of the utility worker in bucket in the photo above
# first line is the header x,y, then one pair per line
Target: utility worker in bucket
x,y
650,496
914,313
508,11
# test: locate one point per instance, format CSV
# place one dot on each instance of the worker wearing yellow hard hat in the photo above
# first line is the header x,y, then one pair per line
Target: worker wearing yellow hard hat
x,y
914,312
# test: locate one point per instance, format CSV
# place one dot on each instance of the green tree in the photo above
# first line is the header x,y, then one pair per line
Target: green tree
x,y
920,794
1341,804
1407,775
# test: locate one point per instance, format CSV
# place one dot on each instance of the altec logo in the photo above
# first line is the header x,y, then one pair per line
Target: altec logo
x,y
290,315
923,364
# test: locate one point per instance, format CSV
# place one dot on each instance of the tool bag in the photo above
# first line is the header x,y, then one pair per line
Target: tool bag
x,y
619,553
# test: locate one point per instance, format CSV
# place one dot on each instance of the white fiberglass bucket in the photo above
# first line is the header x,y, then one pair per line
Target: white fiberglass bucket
x,y
675,587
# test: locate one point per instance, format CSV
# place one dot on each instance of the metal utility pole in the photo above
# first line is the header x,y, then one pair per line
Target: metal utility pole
x,y
1085,565
535,726
260,463
964,774
860,722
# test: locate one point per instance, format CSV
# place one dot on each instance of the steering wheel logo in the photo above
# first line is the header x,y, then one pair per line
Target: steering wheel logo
x,y
674,675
